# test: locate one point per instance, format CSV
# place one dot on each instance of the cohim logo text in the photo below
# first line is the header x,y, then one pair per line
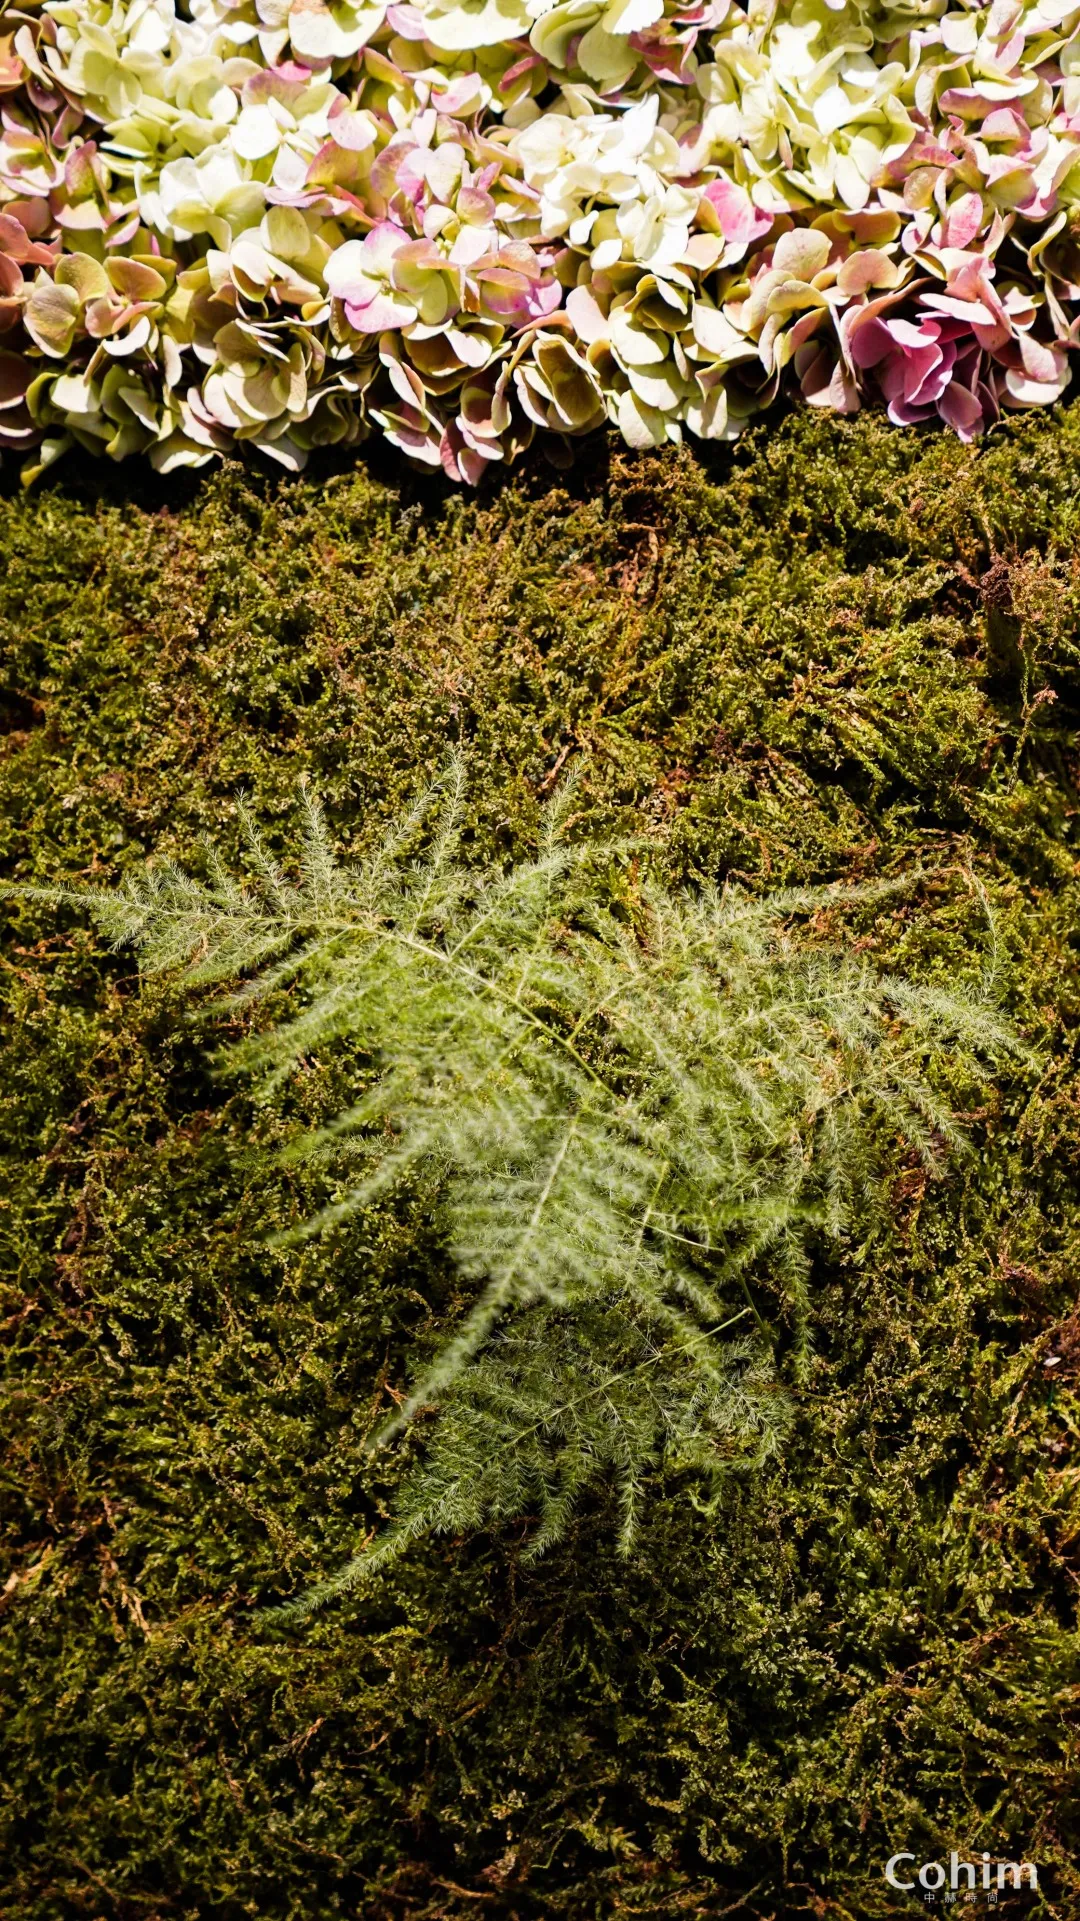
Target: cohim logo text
x,y
931,1875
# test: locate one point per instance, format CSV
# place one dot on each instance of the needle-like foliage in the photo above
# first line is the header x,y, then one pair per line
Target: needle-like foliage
x,y
640,1106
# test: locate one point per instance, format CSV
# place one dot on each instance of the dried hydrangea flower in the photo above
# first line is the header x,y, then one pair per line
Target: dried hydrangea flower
x,y
282,223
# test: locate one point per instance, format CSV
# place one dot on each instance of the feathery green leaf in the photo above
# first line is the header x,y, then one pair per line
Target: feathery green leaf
x,y
641,1106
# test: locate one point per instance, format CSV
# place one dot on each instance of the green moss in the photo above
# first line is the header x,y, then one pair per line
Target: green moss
x,y
841,651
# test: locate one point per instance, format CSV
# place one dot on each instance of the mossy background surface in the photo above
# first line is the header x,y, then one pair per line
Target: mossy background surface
x,y
838,651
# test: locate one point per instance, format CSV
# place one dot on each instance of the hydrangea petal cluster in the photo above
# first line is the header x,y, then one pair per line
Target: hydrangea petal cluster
x,y
461,223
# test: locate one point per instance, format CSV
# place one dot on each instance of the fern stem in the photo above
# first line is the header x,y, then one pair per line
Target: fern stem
x,y
604,1387
550,1034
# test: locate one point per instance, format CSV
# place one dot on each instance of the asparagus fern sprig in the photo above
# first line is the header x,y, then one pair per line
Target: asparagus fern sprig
x,y
640,1104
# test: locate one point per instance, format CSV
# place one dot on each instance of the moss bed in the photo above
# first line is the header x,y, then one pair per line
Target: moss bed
x,y
839,651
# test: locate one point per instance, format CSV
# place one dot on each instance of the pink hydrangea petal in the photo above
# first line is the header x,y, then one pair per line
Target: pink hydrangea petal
x,y
380,315
961,409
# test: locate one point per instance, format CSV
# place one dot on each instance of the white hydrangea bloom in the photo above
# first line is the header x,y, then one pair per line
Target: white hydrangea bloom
x,y
608,182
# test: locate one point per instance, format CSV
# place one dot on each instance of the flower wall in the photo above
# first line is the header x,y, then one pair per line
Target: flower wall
x,y
461,222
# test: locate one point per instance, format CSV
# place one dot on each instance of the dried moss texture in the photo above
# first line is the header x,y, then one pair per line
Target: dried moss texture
x,y
841,651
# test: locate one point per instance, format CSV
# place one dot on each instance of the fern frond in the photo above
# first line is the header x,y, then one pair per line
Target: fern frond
x,y
642,1107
